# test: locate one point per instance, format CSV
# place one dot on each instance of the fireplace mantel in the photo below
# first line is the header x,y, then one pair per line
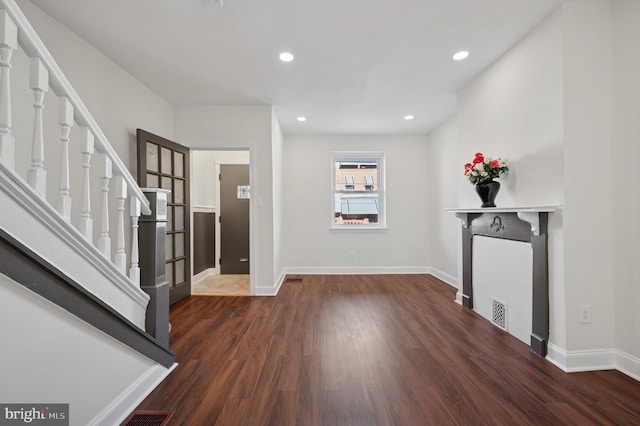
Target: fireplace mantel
x,y
526,224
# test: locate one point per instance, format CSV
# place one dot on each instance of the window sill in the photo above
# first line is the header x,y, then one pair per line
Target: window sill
x,y
358,228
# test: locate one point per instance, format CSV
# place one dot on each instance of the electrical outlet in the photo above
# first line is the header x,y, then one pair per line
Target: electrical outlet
x,y
585,314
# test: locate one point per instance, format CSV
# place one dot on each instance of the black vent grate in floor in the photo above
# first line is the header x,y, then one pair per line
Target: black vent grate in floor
x,y
149,418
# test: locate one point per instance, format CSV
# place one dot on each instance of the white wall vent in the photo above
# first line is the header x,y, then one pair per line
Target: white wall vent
x,y
499,313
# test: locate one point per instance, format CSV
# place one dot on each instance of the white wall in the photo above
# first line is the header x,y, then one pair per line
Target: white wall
x,y
203,176
514,110
277,139
241,127
50,355
587,143
626,197
309,244
444,176
118,102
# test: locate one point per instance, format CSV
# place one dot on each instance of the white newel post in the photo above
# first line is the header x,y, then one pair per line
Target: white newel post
x,y
86,149
120,259
104,242
135,210
65,119
39,83
8,44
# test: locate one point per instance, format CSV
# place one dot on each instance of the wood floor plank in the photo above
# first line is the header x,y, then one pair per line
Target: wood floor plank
x,y
369,350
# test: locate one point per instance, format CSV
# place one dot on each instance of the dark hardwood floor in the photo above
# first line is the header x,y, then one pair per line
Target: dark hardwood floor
x,y
370,350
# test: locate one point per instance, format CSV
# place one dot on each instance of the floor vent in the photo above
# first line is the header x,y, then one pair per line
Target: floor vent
x,y
499,313
294,279
149,418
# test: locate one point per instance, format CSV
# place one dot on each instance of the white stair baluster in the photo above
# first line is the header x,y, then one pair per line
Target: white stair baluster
x,y
65,119
87,149
134,271
39,83
120,259
104,242
8,44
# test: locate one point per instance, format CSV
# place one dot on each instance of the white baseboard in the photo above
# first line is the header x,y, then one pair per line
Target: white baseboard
x,y
557,356
593,360
271,290
443,276
355,270
628,364
203,275
121,407
335,270
584,360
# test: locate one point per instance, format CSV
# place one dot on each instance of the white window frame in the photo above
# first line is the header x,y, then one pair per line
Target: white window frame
x,y
365,156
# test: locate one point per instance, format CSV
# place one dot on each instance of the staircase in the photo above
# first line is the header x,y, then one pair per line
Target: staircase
x,y
69,221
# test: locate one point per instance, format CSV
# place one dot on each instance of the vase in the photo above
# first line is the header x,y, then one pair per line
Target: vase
x,y
487,192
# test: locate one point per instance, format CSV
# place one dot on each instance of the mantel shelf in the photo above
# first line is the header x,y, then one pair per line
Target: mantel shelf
x,y
533,209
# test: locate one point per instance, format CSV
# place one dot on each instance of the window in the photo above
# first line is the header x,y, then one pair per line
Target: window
x,y
357,182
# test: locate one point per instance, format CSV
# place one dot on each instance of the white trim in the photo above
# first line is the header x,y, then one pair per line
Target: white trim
x,y
271,290
117,412
356,270
204,209
582,360
26,198
443,276
628,364
203,276
557,356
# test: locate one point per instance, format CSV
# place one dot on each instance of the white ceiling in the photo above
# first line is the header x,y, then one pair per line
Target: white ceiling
x,y
360,65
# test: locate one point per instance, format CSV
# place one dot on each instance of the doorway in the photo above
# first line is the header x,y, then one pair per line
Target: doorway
x,y
231,270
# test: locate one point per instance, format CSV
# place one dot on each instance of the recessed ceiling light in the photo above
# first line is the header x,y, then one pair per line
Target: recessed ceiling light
x,y
408,117
286,57
460,55
301,118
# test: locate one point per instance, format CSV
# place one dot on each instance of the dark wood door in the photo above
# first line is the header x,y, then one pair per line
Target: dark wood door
x,y
165,164
234,219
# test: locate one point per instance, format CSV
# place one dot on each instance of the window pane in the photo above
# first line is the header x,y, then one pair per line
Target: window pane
x,y
166,184
169,247
178,164
168,270
179,218
169,218
179,244
166,161
178,186
356,176
179,272
357,197
357,209
152,181
152,157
